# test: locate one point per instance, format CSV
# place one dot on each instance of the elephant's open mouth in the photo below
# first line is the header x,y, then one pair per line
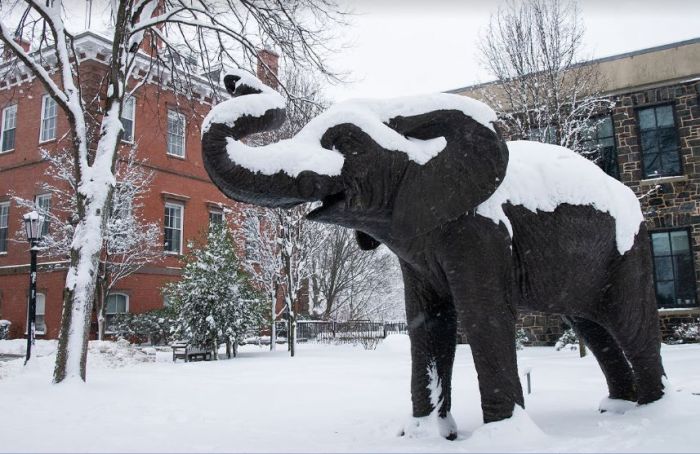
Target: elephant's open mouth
x,y
329,205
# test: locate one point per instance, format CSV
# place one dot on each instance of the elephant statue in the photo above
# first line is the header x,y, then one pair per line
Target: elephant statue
x,y
481,228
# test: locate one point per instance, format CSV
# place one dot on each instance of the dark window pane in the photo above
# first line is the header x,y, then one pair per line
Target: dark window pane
x,y
664,268
646,119
679,241
664,116
605,128
685,277
652,164
667,139
660,243
649,142
665,293
671,163
8,140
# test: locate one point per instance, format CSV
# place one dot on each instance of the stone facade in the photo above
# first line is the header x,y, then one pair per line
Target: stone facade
x,y
542,329
666,75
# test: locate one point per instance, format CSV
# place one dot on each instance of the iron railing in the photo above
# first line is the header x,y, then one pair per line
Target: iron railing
x,y
351,331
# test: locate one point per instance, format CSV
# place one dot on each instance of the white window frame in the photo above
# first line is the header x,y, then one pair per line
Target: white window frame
x,y
5,112
126,310
182,225
130,107
37,331
44,100
181,117
43,211
40,300
5,219
219,212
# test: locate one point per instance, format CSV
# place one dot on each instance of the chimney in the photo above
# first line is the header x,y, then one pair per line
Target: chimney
x,y
268,66
8,54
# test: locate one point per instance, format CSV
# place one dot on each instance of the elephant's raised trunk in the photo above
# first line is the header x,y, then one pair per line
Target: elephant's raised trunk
x,y
256,108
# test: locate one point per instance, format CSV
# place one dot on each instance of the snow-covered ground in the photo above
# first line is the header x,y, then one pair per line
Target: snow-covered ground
x,y
326,399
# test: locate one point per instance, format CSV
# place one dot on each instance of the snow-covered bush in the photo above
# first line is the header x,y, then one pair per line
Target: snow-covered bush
x,y
521,338
215,300
686,333
567,341
5,329
154,326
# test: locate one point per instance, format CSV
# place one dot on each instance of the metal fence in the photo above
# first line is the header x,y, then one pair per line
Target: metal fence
x,y
352,331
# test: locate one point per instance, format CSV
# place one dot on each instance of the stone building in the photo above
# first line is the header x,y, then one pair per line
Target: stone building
x,y
651,139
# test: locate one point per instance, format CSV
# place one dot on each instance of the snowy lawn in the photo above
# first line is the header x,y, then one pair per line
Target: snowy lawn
x,y
327,399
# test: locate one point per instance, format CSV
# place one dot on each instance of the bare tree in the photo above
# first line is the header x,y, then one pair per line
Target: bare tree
x,y
170,31
281,241
349,283
129,241
542,91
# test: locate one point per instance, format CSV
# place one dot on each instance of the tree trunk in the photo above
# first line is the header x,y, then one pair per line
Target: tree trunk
x,y
71,356
79,291
273,326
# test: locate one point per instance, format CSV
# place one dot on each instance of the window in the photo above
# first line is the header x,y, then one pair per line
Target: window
x,y
548,134
659,142
599,140
4,216
40,326
43,206
128,117
117,303
176,134
216,218
673,268
9,126
48,119
173,228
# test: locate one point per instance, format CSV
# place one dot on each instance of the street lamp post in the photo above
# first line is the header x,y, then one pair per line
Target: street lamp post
x,y
33,224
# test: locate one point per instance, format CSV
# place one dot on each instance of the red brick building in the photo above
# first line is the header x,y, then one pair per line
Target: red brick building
x,y
182,199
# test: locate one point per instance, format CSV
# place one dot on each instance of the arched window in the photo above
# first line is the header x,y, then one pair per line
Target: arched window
x,y
117,303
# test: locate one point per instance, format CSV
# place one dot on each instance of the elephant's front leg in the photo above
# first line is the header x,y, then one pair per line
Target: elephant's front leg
x,y
480,277
491,336
432,331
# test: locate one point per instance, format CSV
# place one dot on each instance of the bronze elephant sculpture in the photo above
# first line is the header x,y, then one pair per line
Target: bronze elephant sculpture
x,y
481,227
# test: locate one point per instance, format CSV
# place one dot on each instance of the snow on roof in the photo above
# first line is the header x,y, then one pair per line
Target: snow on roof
x,y
542,177
304,151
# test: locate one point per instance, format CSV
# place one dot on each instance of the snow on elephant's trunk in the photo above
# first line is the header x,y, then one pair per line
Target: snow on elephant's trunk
x,y
308,166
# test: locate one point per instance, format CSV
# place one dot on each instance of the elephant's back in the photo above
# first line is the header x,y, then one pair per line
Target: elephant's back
x,y
542,177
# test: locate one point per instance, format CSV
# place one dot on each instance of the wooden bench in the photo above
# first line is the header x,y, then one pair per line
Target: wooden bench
x,y
188,353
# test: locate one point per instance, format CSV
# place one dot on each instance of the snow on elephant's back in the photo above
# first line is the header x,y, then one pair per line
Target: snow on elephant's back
x,y
543,176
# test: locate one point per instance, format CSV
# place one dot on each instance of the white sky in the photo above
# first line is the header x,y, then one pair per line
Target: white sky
x,y
405,47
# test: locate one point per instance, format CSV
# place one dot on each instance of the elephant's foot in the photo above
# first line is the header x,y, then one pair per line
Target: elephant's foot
x,y
447,427
420,427
617,406
415,428
497,411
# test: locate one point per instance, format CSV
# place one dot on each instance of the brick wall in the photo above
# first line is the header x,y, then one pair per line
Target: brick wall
x,y
22,171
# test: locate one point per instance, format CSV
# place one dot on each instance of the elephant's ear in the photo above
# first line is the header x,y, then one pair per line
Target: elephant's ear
x,y
463,175
365,241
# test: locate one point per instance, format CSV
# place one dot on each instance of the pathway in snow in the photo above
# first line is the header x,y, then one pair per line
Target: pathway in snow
x,y
328,399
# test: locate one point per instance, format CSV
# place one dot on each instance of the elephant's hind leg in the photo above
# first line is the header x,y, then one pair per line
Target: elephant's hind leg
x,y
641,345
617,370
633,319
